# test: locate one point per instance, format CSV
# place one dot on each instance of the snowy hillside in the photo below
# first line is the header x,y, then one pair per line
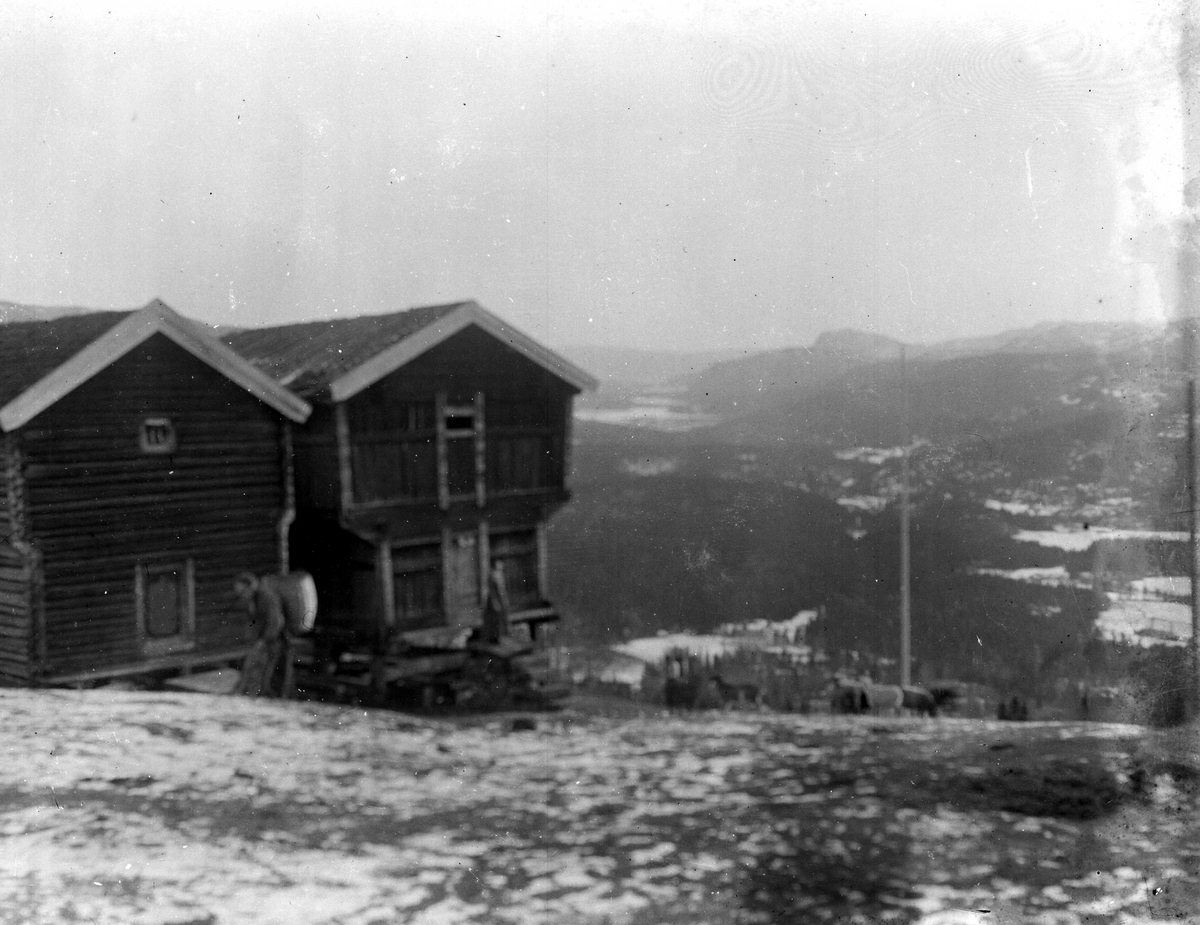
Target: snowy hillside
x,y
139,808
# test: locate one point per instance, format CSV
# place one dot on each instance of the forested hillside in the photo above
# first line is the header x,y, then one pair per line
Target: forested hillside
x,y
789,499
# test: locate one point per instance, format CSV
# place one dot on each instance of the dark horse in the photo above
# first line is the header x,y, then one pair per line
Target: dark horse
x,y
919,700
861,697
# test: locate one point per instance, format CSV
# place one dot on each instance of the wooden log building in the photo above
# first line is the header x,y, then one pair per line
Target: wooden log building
x,y
438,444
143,465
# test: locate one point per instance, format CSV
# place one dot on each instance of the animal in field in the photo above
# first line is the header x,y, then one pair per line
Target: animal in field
x,y
733,694
857,697
921,701
849,697
885,699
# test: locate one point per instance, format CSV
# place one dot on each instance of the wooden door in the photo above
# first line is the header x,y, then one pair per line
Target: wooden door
x,y
463,605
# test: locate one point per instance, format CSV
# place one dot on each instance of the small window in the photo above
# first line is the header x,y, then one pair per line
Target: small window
x,y
157,436
165,607
164,603
460,423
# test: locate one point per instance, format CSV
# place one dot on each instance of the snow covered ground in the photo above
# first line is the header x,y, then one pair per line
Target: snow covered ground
x,y
1146,622
137,807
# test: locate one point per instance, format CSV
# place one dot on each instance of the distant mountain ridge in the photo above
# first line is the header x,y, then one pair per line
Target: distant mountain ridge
x,y
860,346
636,367
15,311
848,356
1054,337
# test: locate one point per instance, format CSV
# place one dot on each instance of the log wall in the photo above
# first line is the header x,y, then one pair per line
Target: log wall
x,y
16,574
99,506
393,425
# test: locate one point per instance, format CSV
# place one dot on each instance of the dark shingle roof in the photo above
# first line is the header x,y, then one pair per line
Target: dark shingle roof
x,y
308,357
30,350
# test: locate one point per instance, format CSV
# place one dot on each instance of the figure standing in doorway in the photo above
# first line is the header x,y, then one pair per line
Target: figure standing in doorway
x,y
495,610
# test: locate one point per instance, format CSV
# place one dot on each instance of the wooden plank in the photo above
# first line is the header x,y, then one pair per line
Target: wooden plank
x,y
161,663
15,599
421,667
240,553
439,637
534,615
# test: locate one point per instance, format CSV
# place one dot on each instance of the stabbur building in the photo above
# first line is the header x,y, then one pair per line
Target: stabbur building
x,y
438,446
146,463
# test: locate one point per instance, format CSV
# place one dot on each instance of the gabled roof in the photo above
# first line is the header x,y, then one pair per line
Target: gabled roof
x,y
339,358
43,361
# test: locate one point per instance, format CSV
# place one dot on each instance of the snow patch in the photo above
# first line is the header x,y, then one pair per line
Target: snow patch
x,y
654,649
1055,575
1082,540
870,503
1146,622
652,416
1023,507
649,467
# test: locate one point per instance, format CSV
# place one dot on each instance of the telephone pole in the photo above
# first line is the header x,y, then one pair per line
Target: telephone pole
x,y
1192,685
1189,316
905,563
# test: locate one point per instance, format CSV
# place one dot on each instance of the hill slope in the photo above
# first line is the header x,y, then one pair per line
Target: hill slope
x,y
790,499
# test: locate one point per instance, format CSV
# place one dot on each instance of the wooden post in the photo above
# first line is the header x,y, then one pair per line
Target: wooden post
x,y
344,456
485,562
447,574
1192,687
386,618
443,461
288,516
568,436
543,561
480,453
387,588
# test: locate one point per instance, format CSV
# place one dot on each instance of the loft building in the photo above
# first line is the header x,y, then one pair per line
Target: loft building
x,y
439,444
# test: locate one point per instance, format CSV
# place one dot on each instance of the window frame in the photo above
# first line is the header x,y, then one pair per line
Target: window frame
x,y
185,638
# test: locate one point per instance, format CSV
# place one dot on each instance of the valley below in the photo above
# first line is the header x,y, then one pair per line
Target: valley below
x,y
1045,470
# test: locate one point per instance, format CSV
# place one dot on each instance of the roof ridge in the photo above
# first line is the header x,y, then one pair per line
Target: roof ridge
x,y
43,360
335,358
349,319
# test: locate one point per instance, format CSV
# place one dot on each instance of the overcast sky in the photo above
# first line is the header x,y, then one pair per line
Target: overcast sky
x,y
705,175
